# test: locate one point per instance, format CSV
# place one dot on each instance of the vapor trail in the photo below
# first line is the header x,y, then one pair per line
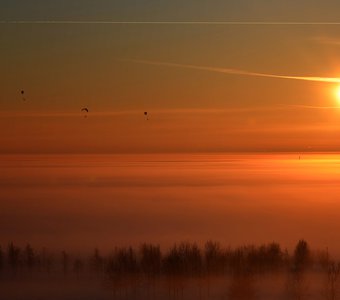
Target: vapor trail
x,y
235,71
172,23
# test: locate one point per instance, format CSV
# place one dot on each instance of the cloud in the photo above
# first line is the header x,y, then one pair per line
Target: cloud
x,y
235,71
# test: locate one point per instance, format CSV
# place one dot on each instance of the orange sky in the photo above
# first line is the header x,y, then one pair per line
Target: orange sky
x,y
79,202
63,67
279,128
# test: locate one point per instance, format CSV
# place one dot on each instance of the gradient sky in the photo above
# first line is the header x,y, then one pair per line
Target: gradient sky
x,y
64,67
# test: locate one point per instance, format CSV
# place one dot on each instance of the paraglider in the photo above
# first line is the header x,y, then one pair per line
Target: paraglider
x,y
86,110
22,92
146,115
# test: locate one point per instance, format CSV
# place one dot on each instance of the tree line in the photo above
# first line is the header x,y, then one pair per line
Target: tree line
x,y
180,259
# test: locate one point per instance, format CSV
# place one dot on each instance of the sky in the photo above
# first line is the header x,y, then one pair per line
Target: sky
x,y
265,83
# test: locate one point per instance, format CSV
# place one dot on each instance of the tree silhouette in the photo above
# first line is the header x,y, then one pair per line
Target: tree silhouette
x,y
96,261
13,254
29,256
183,259
65,262
214,258
275,255
151,259
301,255
146,272
265,257
124,260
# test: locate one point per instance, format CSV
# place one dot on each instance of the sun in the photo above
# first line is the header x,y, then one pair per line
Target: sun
x,y
337,94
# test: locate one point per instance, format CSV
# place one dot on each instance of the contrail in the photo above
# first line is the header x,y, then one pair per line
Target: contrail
x,y
236,23
235,71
